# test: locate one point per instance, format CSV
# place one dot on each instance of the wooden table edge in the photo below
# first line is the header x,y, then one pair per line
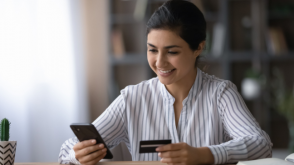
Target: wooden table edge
x,y
104,163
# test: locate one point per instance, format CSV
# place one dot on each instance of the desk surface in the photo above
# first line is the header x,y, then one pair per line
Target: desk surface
x,y
104,163
107,163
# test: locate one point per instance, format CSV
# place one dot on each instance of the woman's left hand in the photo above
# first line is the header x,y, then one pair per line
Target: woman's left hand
x,y
182,153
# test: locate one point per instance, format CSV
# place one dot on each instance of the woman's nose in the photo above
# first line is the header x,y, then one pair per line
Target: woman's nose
x,y
161,61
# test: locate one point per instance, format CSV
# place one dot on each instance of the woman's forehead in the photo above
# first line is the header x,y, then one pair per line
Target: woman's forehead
x,y
162,38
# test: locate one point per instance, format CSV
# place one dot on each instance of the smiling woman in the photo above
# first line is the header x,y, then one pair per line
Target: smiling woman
x,y
170,57
205,117
174,63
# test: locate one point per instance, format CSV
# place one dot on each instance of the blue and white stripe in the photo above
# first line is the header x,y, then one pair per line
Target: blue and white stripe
x,y
213,115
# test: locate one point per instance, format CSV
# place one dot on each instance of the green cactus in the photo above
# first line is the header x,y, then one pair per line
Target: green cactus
x,y
4,129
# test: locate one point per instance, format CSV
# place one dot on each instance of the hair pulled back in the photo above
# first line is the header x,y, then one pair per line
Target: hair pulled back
x,y
182,17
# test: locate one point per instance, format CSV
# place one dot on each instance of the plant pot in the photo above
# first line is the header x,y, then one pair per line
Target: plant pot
x,y
7,152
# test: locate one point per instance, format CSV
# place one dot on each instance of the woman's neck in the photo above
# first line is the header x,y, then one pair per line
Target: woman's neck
x,y
180,90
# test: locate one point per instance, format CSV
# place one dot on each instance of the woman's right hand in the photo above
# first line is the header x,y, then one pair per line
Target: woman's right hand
x,y
88,152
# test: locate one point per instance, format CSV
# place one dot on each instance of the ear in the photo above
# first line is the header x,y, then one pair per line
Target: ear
x,y
200,49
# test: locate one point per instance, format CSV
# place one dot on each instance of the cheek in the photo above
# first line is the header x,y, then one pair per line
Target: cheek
x,y
178,62
151,60
183,63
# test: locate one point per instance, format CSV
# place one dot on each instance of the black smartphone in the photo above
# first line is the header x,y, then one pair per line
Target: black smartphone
x,y
87,131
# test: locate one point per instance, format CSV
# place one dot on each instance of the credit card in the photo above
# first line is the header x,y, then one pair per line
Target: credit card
x,y
148,146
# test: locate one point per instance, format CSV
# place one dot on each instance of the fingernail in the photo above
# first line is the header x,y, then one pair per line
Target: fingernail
x,y
101,145
93,141
157,149
159,154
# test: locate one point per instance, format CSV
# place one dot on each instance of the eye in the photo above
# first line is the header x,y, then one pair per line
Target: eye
x,y
172,52
152,50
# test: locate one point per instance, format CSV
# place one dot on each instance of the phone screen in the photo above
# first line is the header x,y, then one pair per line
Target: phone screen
x,y
87,131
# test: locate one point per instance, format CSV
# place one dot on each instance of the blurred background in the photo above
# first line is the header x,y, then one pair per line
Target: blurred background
x,y
64,62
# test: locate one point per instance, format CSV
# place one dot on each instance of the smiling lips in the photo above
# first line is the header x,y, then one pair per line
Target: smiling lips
x,y
165,73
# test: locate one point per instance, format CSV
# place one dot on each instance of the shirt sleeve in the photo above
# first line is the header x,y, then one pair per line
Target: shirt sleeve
x,y
111,126
248,140
67,154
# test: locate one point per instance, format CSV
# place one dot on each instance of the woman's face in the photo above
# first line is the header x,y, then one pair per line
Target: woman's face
x,y
170,57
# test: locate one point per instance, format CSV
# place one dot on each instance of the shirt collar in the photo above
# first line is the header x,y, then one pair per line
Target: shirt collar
x,y
194,91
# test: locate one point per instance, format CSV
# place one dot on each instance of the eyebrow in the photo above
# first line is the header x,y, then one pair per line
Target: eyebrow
x,y
166,47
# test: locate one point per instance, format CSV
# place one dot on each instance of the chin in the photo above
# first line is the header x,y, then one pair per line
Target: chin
x,y
164,81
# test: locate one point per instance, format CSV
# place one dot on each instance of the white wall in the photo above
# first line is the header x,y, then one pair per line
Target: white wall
x,y
41,92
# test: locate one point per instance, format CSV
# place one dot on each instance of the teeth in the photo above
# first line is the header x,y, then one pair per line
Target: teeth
x,y
167,71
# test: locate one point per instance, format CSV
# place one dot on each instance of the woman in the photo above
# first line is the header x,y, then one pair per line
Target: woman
x,y
204,116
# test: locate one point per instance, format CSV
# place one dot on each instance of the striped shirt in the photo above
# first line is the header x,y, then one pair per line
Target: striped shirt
x,y
213,115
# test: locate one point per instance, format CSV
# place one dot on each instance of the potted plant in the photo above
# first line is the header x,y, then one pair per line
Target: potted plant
x,y
7,148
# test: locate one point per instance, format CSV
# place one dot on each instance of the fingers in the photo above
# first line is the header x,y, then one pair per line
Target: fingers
x,y
91,149
171,147
93,157
80,154
174,154
170,154
84,144
95,160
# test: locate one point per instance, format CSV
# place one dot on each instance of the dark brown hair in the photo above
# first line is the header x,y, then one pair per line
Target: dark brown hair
x,y
182,17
